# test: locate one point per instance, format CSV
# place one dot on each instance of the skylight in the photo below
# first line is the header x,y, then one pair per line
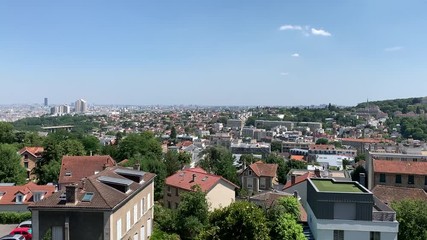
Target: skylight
x,y
87,197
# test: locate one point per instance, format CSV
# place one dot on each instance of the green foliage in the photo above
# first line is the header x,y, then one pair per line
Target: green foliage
x,y
360,157
276,146
165,218
288,205
144,144
48,235
11,170
14,217
161,235
412,218
175,161
173,133
391,106
240,220
219,160
91,144
81,123
281,170
287,228
322,141
415,128
48,172
6,133
71,147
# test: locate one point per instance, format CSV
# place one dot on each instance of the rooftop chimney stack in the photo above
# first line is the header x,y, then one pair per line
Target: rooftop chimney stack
x,y
137,166
71,193
194,178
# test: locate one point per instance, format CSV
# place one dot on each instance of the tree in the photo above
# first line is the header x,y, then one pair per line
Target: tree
x,y
287,228
240,220
355,174
71,147
175,161
91,144
6,133
322,141
281,170
412,218
144,144
219,160
193,213
360,157
173,133
11,170
276,146
48,172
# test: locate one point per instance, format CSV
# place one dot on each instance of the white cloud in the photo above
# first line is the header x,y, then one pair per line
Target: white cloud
x,y
290,27
295,55
284,73
393,49
320,32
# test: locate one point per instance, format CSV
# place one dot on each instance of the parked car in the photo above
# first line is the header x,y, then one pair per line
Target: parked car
x,y
24,231
13,237
25,224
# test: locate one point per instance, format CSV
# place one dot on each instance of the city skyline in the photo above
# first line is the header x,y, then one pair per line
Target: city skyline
x,y
212,52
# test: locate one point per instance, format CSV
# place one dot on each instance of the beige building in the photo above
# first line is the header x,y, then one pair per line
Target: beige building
x,y
117,202
219,191
259,176
29,158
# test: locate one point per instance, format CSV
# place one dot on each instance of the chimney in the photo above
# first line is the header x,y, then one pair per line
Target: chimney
x,y
194,177
293,179
296,194
317,172
362,179
71,193
137,166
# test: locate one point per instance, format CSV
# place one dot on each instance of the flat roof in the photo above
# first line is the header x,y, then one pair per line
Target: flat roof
x,y
327,185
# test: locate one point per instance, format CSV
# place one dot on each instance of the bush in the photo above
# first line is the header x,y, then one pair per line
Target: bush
x,y
14,217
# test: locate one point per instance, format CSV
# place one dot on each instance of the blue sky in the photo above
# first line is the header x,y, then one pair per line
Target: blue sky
x,y
220,52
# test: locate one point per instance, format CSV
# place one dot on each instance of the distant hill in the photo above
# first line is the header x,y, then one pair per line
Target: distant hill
x,y
403,105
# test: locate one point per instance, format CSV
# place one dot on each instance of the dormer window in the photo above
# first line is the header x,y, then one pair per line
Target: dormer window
x,y
20,198
25,156
37,196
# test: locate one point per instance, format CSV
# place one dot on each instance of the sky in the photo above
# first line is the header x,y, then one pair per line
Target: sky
x,y
212,52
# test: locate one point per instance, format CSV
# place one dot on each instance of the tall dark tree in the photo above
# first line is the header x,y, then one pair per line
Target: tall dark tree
x,y
11,170
175,161
219,160
6,133
412,218
144,144
173,133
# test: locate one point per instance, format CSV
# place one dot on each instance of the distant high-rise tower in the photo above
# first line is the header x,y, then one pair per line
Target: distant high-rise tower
x,y
46,102
80,106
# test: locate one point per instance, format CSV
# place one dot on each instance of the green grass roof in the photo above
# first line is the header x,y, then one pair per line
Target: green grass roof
x,y
330,186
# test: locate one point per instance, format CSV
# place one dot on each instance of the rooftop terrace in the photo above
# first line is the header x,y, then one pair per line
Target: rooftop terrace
x,y
329,185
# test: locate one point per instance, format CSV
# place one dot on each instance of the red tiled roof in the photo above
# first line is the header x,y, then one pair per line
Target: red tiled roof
x,y
388,194
82,166
35,151
298,179
186,143
264,169
8,193
297,157
404,167
366,140
184,179
321,147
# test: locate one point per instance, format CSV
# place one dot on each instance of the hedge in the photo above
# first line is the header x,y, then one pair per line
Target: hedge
x,y
14,217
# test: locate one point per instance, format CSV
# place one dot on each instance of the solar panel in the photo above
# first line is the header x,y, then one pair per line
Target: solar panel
x,y
129,172
87,197
113,180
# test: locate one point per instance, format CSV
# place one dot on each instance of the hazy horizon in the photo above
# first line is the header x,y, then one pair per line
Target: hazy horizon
x,y
212,53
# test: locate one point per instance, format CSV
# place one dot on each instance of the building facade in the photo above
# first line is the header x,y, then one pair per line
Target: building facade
x,y
29,158
258,177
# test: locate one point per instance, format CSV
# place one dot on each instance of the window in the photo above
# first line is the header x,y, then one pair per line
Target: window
x,y
127,221
249,183
249,172
176,192
338,234
425,180
398,178
148,202
25,164
26,156
119,228
411,179
142,206
149,227
142,233
262,182
37,197
382,177
135,213
19,198
375,236
136,237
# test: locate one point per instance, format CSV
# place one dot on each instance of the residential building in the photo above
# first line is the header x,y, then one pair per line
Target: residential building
x,y
235,123
271,124
29,158
221,139
80,106
345,210
259,176
17,198
389,194
116,203
400,173
287,146
332,160
251,148
219,191
75,168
